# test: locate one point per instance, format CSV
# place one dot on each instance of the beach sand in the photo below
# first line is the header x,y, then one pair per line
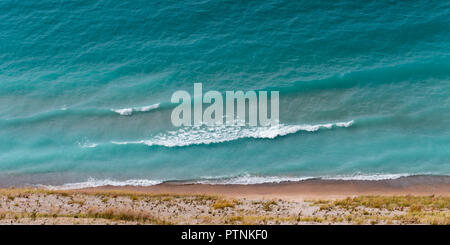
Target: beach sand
x,y
307,189
407,200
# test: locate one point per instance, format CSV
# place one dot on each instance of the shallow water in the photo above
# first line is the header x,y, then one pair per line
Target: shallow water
x,y
85,89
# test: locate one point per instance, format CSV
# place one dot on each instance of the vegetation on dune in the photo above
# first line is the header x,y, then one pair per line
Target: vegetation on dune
x,y
121,206
391,209
223,203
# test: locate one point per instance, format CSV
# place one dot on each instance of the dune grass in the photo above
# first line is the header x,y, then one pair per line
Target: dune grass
x,y
122,206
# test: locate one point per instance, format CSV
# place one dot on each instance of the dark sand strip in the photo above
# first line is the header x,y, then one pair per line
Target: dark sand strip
x,y
314,188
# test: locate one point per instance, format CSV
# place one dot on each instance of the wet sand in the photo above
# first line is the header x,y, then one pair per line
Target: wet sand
x,y
307,189
408,200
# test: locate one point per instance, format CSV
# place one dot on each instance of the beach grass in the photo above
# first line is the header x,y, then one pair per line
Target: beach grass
x,y
99,206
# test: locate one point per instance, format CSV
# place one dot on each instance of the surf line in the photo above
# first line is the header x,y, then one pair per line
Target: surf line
x,y
214,115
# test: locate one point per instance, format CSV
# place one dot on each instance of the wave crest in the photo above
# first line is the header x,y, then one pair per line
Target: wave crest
x,y
129,111
208,135
248,179
245,179
91,182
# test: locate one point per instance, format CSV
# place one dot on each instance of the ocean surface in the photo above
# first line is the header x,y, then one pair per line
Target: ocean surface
x,y
85,89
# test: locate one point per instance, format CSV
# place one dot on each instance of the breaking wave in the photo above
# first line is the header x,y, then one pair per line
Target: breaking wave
x,y
208,135
248,179
245,179
129,111
91,182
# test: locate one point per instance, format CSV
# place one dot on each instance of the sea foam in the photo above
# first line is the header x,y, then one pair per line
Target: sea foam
x,y
248,179
245,179
129,111
92,182
208,135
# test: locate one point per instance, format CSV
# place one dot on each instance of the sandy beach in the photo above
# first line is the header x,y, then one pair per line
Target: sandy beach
x,y
408,200
307,189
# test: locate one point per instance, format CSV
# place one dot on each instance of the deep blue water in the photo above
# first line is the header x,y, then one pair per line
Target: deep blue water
x,y
68,67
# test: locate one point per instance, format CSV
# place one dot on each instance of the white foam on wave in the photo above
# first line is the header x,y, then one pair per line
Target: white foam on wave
x,y
90,145
366,177
129,111
345,124
250,180
87,144
245,179
218,134
91,182
253,179
147,108
124,112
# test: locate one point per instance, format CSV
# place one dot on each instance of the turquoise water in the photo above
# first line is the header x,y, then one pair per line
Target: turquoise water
x,y
377,71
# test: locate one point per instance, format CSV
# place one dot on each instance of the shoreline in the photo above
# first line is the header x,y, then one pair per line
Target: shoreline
x,y
418,185
406,200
